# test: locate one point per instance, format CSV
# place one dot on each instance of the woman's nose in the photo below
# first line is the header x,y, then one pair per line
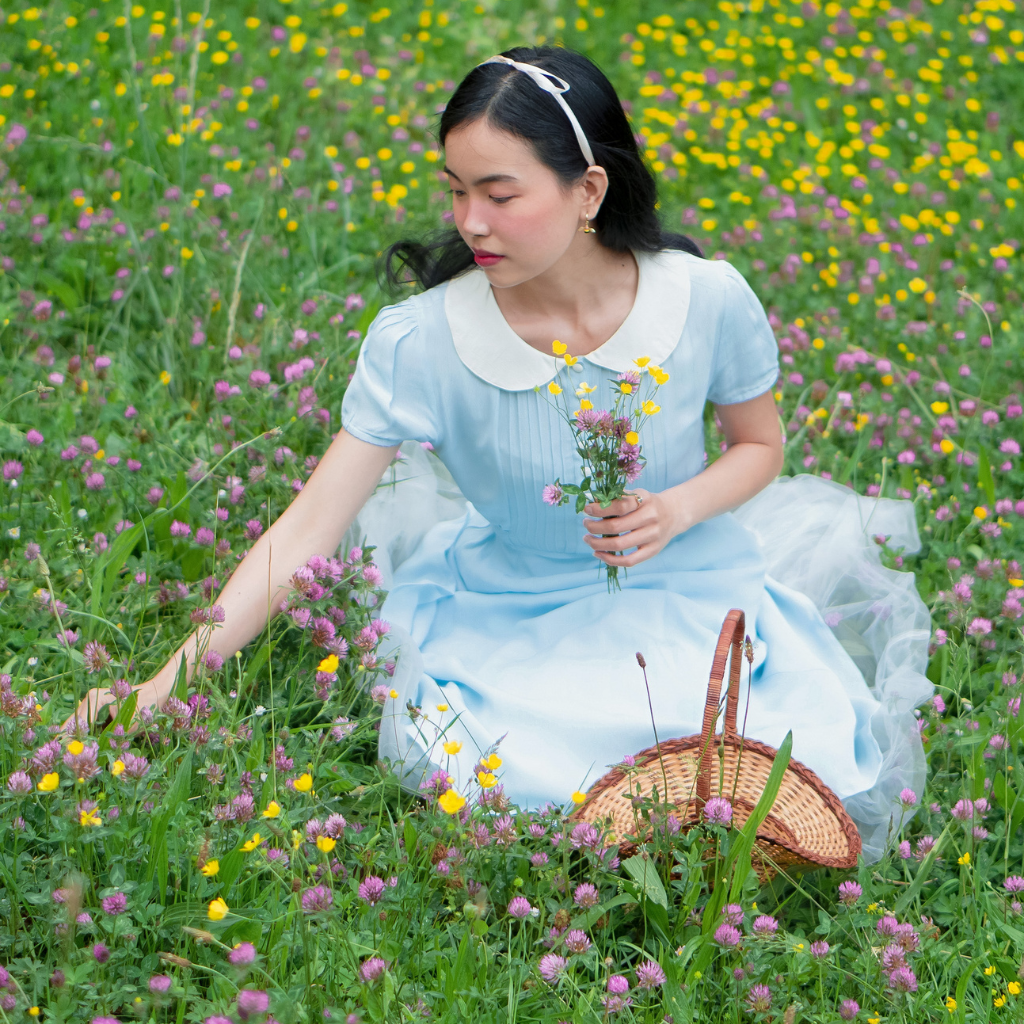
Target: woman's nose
x,y
474,222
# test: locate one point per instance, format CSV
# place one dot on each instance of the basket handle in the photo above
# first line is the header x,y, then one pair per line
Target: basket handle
x,y
730,636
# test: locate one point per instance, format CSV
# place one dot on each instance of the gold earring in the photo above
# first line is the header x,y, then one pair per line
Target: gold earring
x,y
587,229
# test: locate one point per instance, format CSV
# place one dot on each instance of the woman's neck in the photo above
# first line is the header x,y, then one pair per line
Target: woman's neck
x,y
581,300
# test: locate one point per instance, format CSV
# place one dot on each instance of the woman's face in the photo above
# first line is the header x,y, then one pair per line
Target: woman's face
x,y
506,202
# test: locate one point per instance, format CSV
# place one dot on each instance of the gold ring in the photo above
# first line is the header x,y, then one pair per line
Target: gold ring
x,y
639,500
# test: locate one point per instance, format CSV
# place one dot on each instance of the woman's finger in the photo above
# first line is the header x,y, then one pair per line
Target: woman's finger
x,y
611,526
641,554
618,507
635,538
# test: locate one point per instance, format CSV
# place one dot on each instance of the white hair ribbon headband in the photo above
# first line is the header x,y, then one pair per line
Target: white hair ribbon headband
x,y
543,79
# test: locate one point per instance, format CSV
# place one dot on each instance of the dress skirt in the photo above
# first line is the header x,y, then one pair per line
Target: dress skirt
x,y
526,653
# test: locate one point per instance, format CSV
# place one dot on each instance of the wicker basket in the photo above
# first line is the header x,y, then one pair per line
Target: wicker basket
x,y
807,826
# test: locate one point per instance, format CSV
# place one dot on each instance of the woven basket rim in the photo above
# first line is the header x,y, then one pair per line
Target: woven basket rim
x,y
616,776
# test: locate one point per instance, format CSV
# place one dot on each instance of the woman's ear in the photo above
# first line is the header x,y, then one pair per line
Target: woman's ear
x,y
595,186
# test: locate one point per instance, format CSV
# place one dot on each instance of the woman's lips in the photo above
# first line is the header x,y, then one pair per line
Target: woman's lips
x,y
486,259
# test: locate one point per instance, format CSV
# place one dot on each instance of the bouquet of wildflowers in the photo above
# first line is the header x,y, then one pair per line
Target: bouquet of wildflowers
x,y
607,441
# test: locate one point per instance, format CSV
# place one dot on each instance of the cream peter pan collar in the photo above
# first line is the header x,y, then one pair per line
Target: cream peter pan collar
x,y
489,347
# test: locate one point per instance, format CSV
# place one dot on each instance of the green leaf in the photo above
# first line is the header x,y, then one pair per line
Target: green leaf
x,y
367,317
590,917
192,564
63,496
961,991
178,793
105,574
581,503
11,438
985,481
256,662
55,286
230,868
738,862
411,838
922,876
1009,800
124,716
858,454
642,870
178,491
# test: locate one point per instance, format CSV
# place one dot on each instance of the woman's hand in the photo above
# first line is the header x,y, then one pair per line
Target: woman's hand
x,y
648,527
99,706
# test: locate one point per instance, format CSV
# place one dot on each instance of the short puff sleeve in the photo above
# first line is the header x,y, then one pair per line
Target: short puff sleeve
x,y
746,360
388,400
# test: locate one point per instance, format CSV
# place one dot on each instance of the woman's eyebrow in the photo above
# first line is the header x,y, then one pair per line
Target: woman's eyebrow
x,y
484,180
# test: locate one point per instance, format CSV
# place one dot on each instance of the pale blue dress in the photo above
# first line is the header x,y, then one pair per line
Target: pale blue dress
x,y
500,611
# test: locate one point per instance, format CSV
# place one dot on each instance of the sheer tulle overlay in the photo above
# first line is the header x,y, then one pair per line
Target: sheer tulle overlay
x,y
826,616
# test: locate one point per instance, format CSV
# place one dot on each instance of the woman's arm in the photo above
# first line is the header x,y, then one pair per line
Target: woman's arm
x,y
314,523
752,460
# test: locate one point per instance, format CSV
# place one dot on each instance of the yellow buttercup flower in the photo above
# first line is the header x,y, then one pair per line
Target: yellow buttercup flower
x,y
393,694
165,377
1013,988
116,768
48,783
578,797
625,387
659,375
75,747
558,348
452,747
441,707
946,445
210,868
981,512
325,844
86,818
632,437
990,970
940,407
296,838
587,404
329,664
486,779
217,910
492,761
965,859
584,389
650,408
251,844
451,802
999,1001
951,1004
273,809
554,388
304,783
642,361
570,360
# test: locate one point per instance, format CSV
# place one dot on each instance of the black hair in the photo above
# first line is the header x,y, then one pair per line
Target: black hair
x,y
512,102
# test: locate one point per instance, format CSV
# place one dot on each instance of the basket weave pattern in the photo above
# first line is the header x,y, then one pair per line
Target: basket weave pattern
x,y
807,827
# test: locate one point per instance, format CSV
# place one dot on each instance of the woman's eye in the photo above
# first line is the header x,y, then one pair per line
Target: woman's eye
x,y
502,199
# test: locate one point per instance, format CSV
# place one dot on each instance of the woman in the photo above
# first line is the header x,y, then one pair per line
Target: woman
x,y
507,627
